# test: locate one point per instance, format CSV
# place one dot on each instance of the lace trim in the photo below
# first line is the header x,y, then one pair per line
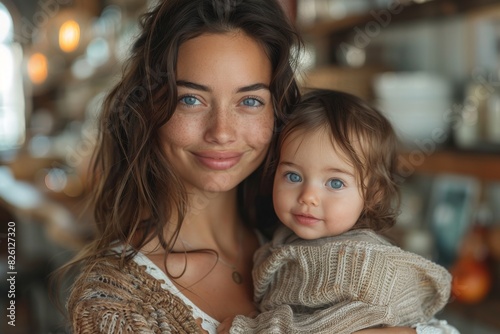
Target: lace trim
x,y
207,322
435,326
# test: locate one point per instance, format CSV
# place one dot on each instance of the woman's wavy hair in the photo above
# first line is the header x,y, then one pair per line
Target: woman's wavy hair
x,y
134,186
367,140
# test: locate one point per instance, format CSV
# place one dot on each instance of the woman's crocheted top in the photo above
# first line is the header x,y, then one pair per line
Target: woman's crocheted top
x,y
110,299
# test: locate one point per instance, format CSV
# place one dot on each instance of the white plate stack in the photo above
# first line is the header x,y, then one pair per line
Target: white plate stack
x,y
418,104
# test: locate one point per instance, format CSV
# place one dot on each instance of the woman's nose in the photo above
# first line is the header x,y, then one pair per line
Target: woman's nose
x,y
309,196
221,126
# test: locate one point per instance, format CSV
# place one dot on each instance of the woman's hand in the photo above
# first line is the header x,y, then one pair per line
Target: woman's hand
x,y
388,330
225,326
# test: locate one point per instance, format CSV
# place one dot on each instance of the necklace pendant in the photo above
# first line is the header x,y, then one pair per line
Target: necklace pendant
x,y
237,277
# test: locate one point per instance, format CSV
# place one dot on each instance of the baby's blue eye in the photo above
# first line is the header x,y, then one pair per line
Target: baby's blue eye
x,y
190,100
251,102
335,184
293,177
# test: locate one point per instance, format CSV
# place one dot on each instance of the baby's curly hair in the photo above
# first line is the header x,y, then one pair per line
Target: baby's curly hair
x,y
365,137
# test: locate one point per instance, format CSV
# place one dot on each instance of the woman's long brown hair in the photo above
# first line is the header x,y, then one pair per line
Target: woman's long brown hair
x,y
134,188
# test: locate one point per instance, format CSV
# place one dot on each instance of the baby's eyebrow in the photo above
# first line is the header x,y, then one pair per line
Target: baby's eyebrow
x,y
287,163
339,170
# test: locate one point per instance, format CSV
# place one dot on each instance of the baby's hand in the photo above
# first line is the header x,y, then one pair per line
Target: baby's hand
x,y
225,326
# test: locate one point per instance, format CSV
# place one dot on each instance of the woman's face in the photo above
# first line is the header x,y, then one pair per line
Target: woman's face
x,y
223,123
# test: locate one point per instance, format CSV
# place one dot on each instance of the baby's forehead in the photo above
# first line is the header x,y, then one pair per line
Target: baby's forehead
x,y
298,136
324,134
302,141
298,142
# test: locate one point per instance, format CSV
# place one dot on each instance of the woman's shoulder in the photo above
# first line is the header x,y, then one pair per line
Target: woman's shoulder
x,y
108,283
107,294
107,275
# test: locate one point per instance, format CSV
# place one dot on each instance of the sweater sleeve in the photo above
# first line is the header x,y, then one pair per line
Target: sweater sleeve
x,y
106,317
126,300
283,321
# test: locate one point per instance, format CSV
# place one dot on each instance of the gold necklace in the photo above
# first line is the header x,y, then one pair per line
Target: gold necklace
x,y
235,275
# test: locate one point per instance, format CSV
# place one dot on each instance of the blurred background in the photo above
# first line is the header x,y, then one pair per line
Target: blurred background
x,y
433,67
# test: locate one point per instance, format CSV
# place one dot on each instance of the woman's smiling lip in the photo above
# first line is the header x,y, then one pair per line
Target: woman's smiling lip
x,y
305,219
218,160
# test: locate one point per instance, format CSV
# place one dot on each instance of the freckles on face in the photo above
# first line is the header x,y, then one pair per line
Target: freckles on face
x,y
223,124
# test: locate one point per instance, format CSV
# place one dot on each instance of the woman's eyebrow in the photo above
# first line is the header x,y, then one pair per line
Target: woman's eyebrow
x,y
249,88
188,84
253,87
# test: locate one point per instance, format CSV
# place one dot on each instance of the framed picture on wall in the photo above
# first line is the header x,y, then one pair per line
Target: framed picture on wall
x,y
453,201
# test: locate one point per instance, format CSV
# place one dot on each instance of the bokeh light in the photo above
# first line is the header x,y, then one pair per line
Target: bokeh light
x,y
69,36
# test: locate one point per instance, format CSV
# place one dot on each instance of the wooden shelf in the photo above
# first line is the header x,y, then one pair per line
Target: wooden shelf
x,y
484,166
409,11
322,28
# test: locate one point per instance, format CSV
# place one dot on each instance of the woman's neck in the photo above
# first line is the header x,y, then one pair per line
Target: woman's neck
x,y
213,220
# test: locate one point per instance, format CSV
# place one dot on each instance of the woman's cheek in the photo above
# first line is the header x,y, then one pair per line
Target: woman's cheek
x,y
266,129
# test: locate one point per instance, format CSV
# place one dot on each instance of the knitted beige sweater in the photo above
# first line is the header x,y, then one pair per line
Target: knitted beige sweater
x,y
341,284
126,300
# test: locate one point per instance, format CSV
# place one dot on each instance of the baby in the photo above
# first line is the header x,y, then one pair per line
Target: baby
x,y
327,270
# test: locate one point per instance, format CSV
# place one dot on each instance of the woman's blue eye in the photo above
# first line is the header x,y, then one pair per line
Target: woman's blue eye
x,y
251,102
190,100
335,184
293,177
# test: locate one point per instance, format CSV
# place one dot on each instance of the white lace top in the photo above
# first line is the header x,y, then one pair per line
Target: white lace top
x,y
207,322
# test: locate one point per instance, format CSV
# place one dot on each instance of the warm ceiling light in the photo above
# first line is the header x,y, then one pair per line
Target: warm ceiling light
x,y
37,68
69,36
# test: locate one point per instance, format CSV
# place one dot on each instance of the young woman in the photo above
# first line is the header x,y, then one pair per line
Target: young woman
x,y
176,169
183,139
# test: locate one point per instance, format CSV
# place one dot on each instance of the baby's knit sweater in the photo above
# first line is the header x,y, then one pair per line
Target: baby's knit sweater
x,y
111,299
341,284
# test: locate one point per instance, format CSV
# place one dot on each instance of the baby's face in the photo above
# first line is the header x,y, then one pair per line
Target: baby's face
x,y
316,193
